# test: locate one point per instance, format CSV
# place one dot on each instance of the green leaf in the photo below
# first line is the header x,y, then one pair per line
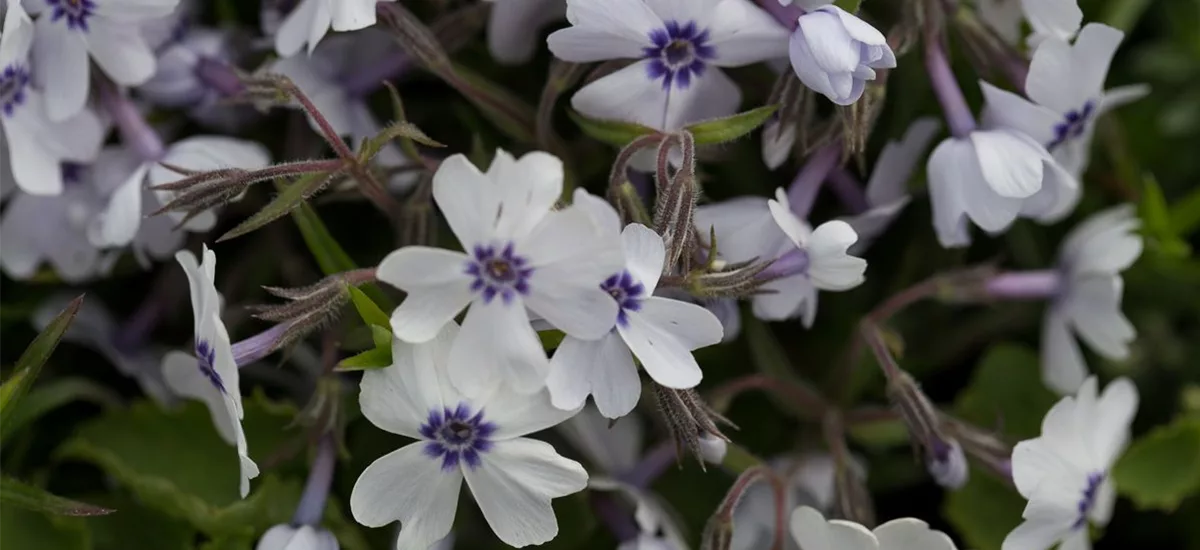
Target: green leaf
x,y
732,127
52,395
377,357
31,361
1163,467
410,148
290,197
1185,214
16,493
851,6
396,130
175,462
1007,390
612,132
1156,218
330,255
368,310
551,339
984,511
136,522
27,529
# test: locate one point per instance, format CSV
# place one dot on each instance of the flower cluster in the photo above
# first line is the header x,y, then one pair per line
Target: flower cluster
x,y
544,294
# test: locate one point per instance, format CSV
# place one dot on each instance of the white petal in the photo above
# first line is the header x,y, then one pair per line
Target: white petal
x,y
1008,110
467,198
570,261
711,95
832,47
744,227
124,215
1122,95
511,31
514,485
67,53
685,10
437,286
812,532
1105,243
183,376
527,189
599,210
611,446
1010,163
1035,533
1063,367
1094,307
629,95
409,486
796,229
351,15
18,34
830,267
897,161
603,367
400,397
518,414
787,298
1115,410
1053,18
1103,503
663,334
123,55
644,254
496,346
911,534
743,34
35,168
615,29
1060,191
949,168
293,33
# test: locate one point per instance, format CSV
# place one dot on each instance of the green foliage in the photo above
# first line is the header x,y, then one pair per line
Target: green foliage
x,y
52,395
612,132
20,529
1007,391
380,354
32,360
726,129
290,197
330,256
22,495
1158,225
137,522
983,511
1163,467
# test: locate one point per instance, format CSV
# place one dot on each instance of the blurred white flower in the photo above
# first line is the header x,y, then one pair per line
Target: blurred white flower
x,y
813,532
304,537
514,26
678,47
660,332
211,375
809,481
1064,472
835,53
71,33
1058,19
310,20
512,478
519,254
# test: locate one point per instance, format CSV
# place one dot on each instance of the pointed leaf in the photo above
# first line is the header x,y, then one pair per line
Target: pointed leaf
x,y
732,127
289,198
612,132
410,148
52,395
16,493
330,255
375,358
397,130
368,310
31,361
1160,469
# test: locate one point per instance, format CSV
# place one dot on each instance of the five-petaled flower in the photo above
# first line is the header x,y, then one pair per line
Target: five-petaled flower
x,y
660,332
513,478
678,48
1064,472
210,374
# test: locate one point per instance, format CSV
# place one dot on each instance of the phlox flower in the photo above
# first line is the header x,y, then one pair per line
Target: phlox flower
x,y
513,25
678,48
479,440
808,481
310,20
304,537
519,254
1063,473
660,332
835,53
813,532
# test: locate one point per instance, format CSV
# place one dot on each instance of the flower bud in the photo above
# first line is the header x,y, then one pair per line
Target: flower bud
x,y
947,464
834,53
712,449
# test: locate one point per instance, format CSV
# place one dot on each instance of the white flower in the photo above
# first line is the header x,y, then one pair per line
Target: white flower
x,y
678,47
835,53
311,19
304,537
36,145
512,478
660,332
513,25
809,481
1003,16
520,254
813,532
1066,90
887,190
1064,472
750,227
211,375
991,177
68,32
124,214
95,328
194,73
1089,297
324,77
54,229
1058,19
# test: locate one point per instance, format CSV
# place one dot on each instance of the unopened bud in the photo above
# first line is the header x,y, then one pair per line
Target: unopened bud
x,y
307,309
943,455
738,280
675,207
712,449
947,464
689,419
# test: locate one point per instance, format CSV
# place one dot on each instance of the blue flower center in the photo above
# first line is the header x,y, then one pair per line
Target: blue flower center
x,y
679,54
1089,499
499,271
456,436
206,356
76,12
13,82
627,291
1073,124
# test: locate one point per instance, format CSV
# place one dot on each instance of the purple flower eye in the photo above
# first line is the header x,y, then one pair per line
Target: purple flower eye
x,y
680,52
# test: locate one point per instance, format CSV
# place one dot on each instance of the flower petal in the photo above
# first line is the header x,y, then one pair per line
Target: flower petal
x,y
514,484
898,160
1010,162
527,188
711,94
787,298
516,414
599,210
743,34
509,35
812,532
497,347
409,486
1008,110
830,266
67,52
644,254
467,198
609,30
398,398
744,227
35,168
1105,243
1035,533
611,446
662,336
1063,76
183,376
1063,367
123,215
351,15
437,286
1094,308
603,368
630,94
569,262
1057,19
911,534
123,55
949,168
1114,413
